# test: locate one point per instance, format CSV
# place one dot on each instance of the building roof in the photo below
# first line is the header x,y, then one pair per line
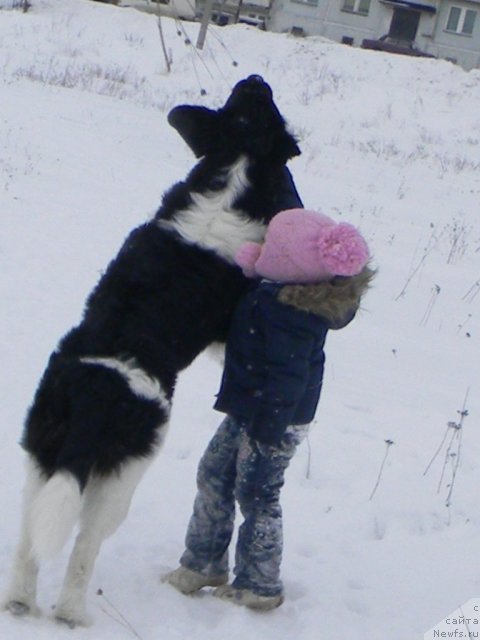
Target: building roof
x,y
416,6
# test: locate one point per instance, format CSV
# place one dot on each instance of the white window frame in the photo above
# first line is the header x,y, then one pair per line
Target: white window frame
x,y
459,30
310,3
356,8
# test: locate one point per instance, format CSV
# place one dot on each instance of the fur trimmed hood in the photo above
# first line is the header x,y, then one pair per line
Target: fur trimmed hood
x,y
336,301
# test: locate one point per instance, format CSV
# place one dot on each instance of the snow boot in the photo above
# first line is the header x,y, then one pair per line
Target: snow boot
x,y
187,581
247,598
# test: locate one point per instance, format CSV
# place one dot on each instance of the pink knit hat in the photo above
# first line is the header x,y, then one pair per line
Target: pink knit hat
x,y
304,246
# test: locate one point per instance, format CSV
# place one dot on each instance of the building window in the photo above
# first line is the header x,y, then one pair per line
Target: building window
x,y
312,3
357,6
461,20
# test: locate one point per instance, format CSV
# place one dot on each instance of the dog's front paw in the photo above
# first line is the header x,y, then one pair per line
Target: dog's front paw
x,y
72,618
20,608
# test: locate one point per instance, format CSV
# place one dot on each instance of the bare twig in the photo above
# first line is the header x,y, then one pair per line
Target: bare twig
x,y
428,249
473,291
389,444
455,427
451,455
460,326
435,455
426,316
122,621
463,414
164,48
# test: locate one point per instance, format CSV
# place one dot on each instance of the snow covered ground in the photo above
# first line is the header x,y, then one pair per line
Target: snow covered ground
x,y
390,143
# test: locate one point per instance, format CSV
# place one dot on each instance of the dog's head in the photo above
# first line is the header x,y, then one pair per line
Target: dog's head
x,y
248,123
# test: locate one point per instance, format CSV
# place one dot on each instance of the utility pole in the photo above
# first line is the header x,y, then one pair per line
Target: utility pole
x,y
164,48
237,12
207,15
162,39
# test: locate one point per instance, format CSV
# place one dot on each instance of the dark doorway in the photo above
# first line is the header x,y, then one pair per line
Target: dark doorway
x,y
404,25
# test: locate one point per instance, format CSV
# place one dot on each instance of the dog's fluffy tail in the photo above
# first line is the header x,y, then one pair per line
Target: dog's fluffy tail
x,y
54,513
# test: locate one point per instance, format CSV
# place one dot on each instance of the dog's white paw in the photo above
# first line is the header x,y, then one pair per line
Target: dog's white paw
x,y
19,608
72,618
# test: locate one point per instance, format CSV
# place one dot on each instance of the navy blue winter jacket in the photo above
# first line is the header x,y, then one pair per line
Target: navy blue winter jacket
x,y
274,356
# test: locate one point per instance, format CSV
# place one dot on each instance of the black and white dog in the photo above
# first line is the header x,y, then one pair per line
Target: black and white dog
x,y
101,410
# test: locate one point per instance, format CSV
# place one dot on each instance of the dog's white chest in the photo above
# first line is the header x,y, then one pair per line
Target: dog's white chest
x,y
213,223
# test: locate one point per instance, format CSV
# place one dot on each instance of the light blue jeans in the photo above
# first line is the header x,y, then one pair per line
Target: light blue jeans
x,y
236,468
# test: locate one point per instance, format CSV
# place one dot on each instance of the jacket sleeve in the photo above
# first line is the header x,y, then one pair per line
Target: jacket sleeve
x,y
288,351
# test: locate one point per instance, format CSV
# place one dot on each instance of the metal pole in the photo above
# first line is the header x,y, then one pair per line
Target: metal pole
x,y
237,12
164,48
207,15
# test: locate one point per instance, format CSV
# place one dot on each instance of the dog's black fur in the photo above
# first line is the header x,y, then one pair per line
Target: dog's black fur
x,y
161,301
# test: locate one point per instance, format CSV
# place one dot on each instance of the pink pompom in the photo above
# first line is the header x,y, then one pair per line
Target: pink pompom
x,y
247,256
342,249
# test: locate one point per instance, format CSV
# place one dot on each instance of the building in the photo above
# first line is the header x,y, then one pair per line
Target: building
x,y
252,12
184,9
447,29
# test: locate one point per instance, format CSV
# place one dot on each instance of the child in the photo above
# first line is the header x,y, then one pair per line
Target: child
x,y
270,389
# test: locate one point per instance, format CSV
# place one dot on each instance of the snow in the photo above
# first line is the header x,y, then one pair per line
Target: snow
x,y
391,144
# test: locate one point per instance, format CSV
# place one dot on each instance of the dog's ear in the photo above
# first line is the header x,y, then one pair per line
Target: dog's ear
x,y
196,125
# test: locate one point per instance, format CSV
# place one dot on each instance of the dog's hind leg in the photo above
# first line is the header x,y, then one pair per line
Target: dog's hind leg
x,y
21,594
106,503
